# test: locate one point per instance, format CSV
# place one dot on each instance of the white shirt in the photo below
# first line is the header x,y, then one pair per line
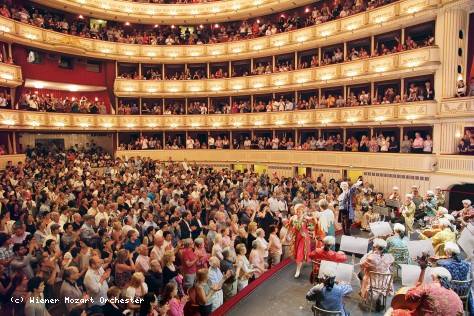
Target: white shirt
x,y
96,290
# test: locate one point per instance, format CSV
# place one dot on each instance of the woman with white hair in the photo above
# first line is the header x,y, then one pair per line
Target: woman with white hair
x,y
326,218
329,295
435,298
256,258
325,253
460,269
375,261
441,238
400,241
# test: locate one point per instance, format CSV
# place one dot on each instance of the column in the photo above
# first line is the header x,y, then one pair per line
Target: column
x,y
344,136
296,60
372,92
208,71
449,22
372,44
14,142
230,140
402,38
140,70
400,139
296,137
345,50
230,69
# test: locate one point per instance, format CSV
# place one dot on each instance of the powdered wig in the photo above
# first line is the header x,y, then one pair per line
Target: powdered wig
x,y
409,196
299,207
380,243
467,202
449,217
451,248
398,228
344,185
329,273
444,222
443,210
441,273
323,204
329,240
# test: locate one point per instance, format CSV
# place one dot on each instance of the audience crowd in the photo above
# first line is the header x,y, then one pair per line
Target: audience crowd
x,y
379,143
168,238
179,35
47,102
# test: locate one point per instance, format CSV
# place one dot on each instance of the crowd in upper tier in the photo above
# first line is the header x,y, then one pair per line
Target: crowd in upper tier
x,y
47,102
378,143
180,35
178,239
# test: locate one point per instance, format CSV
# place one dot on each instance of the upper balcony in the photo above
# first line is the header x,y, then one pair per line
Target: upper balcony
x,y
10,75
418,61
215,11
389,17
402,113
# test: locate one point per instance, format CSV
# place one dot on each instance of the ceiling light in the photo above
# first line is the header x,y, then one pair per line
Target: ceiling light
x,y
107,125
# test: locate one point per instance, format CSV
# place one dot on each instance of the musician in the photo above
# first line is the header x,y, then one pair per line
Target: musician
x,y
326,253
369,217
416,197
460,269
375,261
329,295
440,197
441,238
430,204
435,298
466,214
408,212
398,240
346,205
395,194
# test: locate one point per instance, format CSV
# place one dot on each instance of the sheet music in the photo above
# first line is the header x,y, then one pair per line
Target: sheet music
x,y
466,240
354,244
411,274
384,211
417,247
393,203
381,229
343,271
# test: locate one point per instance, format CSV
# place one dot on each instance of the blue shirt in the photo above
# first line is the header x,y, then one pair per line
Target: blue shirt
x,y
330,300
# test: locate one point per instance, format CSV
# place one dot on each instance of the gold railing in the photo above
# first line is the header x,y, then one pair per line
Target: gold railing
x,y
404,113
418,61
10,75
385,161
389,17
216,11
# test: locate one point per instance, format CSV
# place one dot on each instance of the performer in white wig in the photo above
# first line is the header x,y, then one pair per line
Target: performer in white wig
x,y
346,207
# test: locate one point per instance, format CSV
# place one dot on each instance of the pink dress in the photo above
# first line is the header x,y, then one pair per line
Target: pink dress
x,y
376,263
301,242
176,308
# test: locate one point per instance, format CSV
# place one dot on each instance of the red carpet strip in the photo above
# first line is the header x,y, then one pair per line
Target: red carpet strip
x,y
228,305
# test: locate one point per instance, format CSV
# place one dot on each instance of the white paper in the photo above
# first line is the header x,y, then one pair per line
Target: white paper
x,y
393,203
466,240
381,229
354,244
343,271
416,248
411,274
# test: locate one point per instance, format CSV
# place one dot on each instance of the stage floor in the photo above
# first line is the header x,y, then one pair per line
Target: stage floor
x,y
283,295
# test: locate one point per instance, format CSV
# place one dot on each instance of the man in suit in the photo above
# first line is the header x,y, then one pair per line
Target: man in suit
x,y
185,225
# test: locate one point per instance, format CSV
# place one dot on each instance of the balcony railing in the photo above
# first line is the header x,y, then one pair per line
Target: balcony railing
x,y
216,11
404,113
389,17
418,61
10,75
385,161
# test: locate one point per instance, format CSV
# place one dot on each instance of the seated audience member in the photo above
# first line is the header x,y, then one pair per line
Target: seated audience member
x,y
329,295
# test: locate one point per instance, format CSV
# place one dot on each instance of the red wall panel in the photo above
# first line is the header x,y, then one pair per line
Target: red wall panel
x,y
49,70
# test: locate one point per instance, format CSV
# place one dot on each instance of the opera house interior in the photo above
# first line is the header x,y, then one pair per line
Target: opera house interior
x,y
236,157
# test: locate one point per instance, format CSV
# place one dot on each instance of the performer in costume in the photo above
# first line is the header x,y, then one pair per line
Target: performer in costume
x,y
408,210
346,206
301,236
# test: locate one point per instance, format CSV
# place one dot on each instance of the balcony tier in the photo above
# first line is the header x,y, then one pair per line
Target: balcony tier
x,y
383,19
211,12
408,63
